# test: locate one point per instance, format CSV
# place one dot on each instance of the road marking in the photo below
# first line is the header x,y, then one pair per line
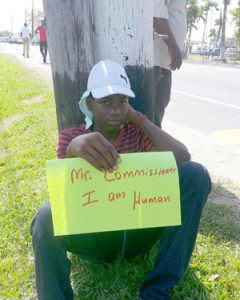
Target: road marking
x,y
231,136
207,99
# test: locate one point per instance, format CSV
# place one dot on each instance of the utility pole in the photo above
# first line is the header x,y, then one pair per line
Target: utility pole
x,y
32,18
93,30
11,26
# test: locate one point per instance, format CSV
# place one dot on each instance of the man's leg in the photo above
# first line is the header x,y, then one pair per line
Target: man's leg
x,y
52,265
162,93
24,46
27,46
41,50
177,242
45,50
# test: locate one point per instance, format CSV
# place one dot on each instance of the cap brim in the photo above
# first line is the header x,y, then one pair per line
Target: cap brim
x,y
111,90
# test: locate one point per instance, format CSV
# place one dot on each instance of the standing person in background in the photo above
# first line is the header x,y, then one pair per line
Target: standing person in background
x,y
169,18
43,40
26,35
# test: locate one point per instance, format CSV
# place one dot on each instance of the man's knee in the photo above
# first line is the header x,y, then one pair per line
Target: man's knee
x,y
42,222
193,174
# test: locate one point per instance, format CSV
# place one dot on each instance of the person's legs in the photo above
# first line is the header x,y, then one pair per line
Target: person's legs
x,y
24,47
27,46
177,242
52,265
41,44
45,50
162,93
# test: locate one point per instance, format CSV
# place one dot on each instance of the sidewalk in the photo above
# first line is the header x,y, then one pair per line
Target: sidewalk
x,y
221,159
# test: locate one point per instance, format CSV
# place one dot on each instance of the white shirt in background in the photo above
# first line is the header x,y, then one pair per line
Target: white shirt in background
x,y
175,12
25,32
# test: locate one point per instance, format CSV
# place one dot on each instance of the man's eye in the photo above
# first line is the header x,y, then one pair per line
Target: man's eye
x,y
124,102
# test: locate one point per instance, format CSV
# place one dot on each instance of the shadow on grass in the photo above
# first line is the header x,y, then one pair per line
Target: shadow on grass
x,y
122,279
221,217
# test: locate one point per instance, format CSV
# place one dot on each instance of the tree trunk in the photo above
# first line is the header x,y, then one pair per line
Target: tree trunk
x,y
81,33
222,42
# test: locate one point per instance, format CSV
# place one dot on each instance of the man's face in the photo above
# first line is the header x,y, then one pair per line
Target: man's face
x,y
109,113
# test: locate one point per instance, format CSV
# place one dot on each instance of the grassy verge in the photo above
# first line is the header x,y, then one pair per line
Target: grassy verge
x,y
28,135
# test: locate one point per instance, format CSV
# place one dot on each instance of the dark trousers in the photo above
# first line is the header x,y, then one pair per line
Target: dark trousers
x,y
43,48
53,266
162,93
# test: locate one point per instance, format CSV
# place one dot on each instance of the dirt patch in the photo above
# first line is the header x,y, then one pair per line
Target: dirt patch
x,y
35,99
10,121
227,193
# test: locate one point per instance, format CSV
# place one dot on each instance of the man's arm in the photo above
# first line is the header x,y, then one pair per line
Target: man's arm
x,y
161,26
161,140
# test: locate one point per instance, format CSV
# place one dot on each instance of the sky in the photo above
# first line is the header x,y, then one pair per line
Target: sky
x,y
12,16
12,13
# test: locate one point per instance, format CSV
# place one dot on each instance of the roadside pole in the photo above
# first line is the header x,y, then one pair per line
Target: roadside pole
x,y
80,33
71,51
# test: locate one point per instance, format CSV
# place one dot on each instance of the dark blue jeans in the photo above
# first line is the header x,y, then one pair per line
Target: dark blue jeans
x,y
53,266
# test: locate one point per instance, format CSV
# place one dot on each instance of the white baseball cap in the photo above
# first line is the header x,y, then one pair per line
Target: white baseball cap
x,y
106,78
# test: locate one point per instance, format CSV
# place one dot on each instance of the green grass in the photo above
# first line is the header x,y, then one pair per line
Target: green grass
x,y
28,135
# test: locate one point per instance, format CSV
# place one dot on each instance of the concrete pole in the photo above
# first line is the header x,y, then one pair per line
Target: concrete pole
x,y
71,51
80,33
32,19
124,33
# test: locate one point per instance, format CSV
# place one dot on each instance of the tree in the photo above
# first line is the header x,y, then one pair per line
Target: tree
x,y
222,38
236,18
213,36
204,10
34,17
81,32
193,17
218,24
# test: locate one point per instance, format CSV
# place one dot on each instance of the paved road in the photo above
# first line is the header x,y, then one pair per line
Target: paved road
x,y
206,98
205,102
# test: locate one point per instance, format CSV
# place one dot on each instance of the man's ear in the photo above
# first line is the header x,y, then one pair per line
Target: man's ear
x,y
89,103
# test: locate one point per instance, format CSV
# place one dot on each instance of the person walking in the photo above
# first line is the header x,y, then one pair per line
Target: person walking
x,y
169,19
41,29
26,35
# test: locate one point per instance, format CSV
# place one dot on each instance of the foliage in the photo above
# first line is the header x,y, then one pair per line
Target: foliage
x,y
236,18
37,18
28,134
193,14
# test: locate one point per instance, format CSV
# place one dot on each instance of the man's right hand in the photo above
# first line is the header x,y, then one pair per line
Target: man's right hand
x,y
96,149
176,57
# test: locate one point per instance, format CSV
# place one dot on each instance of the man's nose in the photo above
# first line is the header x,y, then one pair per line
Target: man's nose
x,y
115,109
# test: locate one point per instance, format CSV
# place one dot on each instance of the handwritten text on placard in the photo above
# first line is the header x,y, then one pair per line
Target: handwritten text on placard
x,y
143,192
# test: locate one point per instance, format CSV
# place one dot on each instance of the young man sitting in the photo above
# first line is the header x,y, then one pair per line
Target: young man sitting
x,y
114,127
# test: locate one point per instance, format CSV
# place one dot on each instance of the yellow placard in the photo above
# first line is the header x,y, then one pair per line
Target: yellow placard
x,y
142,193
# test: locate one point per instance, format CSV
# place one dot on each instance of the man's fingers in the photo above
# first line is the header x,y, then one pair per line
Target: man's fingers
x,y
101,158
103,154
96,149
